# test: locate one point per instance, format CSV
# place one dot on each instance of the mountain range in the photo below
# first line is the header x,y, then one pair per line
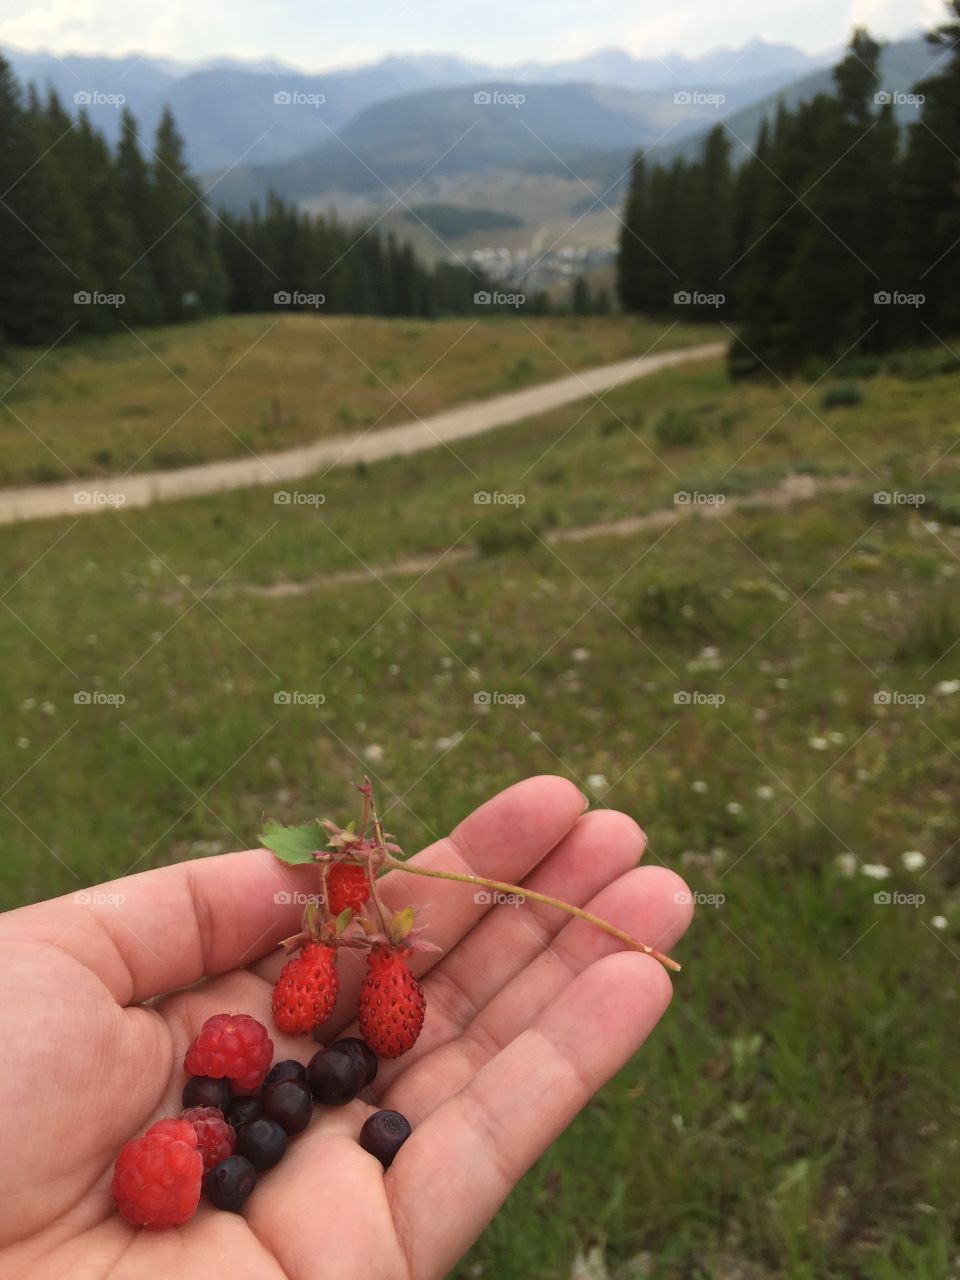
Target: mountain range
x,y
226,108
422,142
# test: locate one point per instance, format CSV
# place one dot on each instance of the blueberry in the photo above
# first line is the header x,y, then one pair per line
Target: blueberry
x,y
383,1134
243,1110
359,1049
288,1069
205,1091
263,1142
335,1078
289,1103
229,1183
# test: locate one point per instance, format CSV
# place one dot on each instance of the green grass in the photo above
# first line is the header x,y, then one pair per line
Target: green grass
x,y
177,396
794,1114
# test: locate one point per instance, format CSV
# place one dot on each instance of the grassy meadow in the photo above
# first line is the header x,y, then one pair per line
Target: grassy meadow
x,y
223,388
774,694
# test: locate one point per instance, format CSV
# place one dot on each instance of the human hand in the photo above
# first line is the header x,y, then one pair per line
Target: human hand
x,y
528,1014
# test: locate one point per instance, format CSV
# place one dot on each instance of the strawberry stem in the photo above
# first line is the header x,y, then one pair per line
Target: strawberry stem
x,y
503,887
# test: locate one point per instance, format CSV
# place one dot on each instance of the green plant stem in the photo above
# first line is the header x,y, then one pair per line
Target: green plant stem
x,y
501,886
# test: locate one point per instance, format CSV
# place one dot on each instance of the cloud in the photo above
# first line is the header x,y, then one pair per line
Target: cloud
x,y
317,35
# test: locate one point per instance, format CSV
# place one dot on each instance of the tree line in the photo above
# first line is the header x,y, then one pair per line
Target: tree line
x,y
94,237
839,234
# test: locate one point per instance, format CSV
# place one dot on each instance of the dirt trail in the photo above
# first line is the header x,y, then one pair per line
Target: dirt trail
x,y
795,488
86,497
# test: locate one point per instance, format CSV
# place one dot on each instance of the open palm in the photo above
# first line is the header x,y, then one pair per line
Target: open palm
x,y
528,1013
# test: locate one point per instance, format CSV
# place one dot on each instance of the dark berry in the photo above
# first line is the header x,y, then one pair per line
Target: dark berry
x,y
205,1091
263,1142
243,1110
286,1070
383,1134
359,1049
228,1183
289,1103
335,1078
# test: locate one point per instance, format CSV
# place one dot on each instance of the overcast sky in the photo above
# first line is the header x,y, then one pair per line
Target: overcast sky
x,y
316,34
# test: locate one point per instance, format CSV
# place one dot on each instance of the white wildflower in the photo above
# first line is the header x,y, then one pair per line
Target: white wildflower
x,y
875,871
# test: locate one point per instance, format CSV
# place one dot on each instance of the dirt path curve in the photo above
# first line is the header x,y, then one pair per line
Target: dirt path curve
x,y
793,488
85,497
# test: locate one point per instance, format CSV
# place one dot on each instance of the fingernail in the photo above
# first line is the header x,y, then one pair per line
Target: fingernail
x,y
586,803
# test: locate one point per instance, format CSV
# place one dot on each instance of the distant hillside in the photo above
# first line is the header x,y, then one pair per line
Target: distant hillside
x,y
450,221
756,61
227,113
227,110
902,63
583,130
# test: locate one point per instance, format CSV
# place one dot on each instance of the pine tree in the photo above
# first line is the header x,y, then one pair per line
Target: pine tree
x,y
183,247
632,251
929,188
37,284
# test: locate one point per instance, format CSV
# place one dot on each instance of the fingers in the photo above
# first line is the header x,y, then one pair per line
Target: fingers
x,y
469,1153
600,848
164,929
502,840
646,902
153,932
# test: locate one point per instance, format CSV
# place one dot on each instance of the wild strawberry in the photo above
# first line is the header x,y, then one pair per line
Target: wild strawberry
x,y
391,1004
306,991
232,1045
156,1179
347,886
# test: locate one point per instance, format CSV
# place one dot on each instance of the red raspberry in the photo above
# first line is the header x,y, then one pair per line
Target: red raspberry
x,y
391,1004
347,886
156,1179
232,1045
306,990
215,1138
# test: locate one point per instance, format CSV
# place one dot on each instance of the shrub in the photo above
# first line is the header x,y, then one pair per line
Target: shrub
x,y
677,429
844,395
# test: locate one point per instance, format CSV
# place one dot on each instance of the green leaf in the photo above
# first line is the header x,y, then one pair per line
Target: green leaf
x,y
401,924
292,845
342,920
